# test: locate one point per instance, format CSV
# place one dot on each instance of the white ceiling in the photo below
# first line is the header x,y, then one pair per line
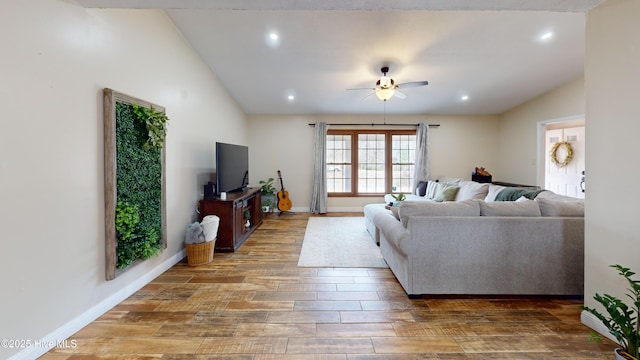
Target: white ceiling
x,y
325,47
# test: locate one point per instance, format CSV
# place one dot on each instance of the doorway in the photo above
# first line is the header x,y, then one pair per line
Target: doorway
x,y
562,156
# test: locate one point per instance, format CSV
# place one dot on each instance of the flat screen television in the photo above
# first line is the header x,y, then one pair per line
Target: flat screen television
x,y
232,167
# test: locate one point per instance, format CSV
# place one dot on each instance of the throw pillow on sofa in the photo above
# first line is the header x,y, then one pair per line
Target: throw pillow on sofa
x,y
445,192
493,192
421,189
522,207
471,190
406,209
430,191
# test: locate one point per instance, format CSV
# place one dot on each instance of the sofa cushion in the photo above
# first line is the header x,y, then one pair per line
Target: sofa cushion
x,y
560,208
471,190
406,209
446,192
493,191
521,207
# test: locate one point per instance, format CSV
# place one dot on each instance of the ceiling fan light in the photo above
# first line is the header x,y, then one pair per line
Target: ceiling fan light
x,y
384,94
385,82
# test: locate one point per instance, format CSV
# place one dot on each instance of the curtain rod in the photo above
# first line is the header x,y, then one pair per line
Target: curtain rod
x,y
374,124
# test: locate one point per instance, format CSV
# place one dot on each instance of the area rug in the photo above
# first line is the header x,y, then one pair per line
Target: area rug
x,y
339,242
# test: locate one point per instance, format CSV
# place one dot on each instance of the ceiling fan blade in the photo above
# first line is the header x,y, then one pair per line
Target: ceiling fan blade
x,y
399,94
366,97
368,88
412,84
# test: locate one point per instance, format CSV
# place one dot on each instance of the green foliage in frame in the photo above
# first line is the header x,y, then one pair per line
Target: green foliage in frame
x,y
155,122
138,186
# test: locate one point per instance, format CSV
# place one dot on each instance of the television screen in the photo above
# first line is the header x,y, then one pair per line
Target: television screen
x,y
232,167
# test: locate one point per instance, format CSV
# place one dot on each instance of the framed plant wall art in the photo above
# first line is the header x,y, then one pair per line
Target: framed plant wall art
x,y
134,166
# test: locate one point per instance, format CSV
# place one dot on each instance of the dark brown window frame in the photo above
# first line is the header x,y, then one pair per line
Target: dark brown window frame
x,y
354,158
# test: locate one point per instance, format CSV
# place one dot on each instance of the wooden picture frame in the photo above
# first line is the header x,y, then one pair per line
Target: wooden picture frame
x,y
111,98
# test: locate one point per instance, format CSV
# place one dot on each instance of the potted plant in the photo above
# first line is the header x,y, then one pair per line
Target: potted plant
x,y
267,204
268,191
622,320
393,205
398,197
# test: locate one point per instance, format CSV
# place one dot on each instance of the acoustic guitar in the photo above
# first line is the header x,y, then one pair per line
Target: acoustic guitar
x,y
284,203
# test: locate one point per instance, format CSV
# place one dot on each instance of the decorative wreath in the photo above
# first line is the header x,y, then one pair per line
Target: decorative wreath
x,y
554,153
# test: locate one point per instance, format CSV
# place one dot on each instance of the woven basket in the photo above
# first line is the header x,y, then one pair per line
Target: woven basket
x,y
200,254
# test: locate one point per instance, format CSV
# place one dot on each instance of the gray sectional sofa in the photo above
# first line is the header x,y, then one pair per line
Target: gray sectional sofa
x,y
473,245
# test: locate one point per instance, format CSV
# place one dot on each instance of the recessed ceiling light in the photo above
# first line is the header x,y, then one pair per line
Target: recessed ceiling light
x,y
546,36
291,97
272,39
464,97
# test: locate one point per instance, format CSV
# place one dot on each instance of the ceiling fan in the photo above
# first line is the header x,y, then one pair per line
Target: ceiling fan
x,y
386,87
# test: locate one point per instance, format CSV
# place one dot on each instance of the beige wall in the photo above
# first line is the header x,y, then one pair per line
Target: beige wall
x,y
56,59
613,125
518,148
285,142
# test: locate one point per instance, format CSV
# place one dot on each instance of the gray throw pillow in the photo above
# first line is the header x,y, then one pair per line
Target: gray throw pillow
x,y
471,190
521,207
493,191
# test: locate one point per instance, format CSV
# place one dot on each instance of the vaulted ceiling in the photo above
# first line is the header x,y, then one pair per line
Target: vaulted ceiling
x,y
491,51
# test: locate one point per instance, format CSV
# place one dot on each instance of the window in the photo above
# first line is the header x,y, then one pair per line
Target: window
x,y
381,162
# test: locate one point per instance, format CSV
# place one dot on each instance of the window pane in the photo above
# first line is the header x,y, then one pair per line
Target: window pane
x,y
339,178
403,148
371,160
339,163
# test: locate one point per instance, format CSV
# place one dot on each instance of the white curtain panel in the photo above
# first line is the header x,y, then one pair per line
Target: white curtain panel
x,y
421,172
319,197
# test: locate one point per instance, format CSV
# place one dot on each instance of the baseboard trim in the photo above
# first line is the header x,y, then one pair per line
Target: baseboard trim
x,y
57,336
345,209
331,209
596,325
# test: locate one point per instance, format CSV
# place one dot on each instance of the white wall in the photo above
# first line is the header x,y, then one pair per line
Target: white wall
x,y
285,142
56,59
518,151
613,125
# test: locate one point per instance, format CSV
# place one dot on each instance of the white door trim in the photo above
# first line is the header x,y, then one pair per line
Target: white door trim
x,y
541,130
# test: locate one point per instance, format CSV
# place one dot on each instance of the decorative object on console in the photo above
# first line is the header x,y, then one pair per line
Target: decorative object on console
x,y
209,191
622,320
268,192
481,175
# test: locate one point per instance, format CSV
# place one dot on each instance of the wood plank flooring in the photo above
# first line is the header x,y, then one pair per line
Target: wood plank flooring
x,y
256,304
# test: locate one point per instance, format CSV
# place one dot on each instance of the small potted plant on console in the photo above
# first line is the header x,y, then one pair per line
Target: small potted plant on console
x,y
268,192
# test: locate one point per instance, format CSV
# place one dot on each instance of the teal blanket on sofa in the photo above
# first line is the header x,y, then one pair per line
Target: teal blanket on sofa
x,y
514,193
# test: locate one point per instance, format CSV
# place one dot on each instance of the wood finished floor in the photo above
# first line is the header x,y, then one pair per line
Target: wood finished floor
x,y
257,304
